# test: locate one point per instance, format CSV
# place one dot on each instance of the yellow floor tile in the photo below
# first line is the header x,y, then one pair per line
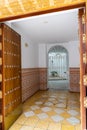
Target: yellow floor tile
x,y
21,119
78,127
39,129
31,122
51,113
68,127
78,117
37,111
26,128
26,109
15,127
65,122
54,126
33,117
42,124
65,115
34,123
48,120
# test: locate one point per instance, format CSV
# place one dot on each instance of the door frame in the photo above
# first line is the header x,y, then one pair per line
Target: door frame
x,y
68,7
46,11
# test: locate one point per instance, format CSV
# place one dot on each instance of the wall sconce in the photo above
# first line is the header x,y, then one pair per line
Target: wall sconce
x,y
26,44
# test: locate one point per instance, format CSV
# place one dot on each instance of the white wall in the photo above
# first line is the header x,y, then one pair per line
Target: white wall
x,y
29,53
35,55
8,23
72,48
42,55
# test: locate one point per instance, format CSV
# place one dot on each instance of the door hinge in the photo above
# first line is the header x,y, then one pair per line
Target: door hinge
x,y
83,19
85,102
85,80
84,58
84,38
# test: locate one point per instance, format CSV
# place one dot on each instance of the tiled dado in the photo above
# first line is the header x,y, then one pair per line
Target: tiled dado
x,y
43,78
33,79
74,79
30,82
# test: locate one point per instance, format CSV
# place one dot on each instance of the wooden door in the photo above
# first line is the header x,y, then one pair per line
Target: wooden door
x,y
11,75
1,83
83,67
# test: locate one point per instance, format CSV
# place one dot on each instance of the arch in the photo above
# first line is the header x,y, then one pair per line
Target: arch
x,y
58,64
57,47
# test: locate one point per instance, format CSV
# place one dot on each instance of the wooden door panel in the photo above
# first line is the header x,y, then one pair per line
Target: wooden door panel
x,y
83,64
11,76
1,83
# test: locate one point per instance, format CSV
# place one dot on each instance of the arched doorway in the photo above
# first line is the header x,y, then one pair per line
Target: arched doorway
x,y
58,68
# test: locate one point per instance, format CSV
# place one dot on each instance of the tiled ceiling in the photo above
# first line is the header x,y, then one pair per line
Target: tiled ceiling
x,y
10,8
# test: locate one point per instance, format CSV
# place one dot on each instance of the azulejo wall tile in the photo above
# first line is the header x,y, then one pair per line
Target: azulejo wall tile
x,y
74,79
33,79
30,82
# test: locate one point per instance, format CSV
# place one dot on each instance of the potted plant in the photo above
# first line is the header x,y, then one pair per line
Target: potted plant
x,y
54,73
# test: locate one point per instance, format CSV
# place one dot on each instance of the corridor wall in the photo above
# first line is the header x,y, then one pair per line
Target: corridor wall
x,y
74,61
29,70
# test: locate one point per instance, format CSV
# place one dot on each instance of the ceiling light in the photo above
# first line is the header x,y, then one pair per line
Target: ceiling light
x,y
45,21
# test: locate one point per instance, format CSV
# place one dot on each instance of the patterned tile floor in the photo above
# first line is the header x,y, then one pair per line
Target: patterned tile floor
x,y
50,110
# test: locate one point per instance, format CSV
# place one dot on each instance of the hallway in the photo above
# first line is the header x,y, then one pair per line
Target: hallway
x,y
50,110
58,84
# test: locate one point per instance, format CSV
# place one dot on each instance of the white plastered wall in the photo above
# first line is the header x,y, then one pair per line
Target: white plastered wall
x,y
29,50
72,48
35,55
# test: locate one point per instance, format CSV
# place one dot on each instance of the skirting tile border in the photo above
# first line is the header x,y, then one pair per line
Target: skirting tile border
x,y
74,79
33,79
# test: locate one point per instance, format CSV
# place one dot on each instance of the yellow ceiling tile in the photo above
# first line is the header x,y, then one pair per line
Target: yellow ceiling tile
x,y
9,7
51,2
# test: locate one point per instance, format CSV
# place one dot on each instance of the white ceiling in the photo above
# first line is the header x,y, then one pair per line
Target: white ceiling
x,y
51,28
